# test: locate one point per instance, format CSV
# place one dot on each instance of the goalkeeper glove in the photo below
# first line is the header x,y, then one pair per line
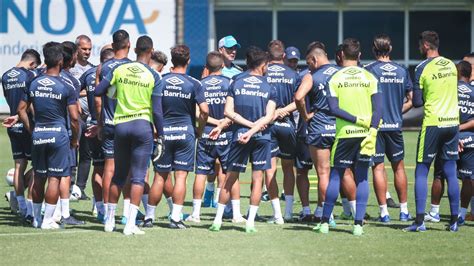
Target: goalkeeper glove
x,y
159,149
367,146
363,122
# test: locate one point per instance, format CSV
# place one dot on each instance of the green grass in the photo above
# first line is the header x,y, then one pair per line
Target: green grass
x,y
289,244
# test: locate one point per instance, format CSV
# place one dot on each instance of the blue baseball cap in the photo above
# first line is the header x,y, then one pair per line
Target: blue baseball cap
x,y
228,42
292,53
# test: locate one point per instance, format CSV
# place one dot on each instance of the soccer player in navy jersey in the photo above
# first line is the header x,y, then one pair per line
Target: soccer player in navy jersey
x,y
15,83
55,105
105,109
250,105
321,123
181,94
396,86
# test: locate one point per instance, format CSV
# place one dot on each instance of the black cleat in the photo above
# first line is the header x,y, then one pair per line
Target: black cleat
x,y
84,196
177,225
28,219
307,218
147,223
71,221
391,204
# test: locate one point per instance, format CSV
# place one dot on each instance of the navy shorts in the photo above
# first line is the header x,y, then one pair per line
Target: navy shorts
x,y
20,141
283,138
303,157
209,150
97,153
345,153
437,142
466,158
321,141
179,153
108,136
51,153
133,149
257,150
390,144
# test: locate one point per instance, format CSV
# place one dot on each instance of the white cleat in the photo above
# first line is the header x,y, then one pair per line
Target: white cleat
x,y
49,225
132,231
239,220
109,227
274,220
193,219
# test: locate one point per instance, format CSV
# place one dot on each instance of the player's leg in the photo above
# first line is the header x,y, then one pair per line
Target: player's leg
x,y
96,180
272,189
348,195
465,172
321,159
109,166
362,195
19,184
224,197
51,199
449,154
64,194
379,175
85,159
205,165
401,186
154,197
303,165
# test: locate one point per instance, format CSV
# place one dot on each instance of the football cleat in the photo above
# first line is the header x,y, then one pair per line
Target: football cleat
x,y
461,221
250,229
177,224
453,227
322,228
265,196
430,217
193,219
415,228
239,220
278,221
109,227
215,228
332,223
28,219
344,216
71,221
140,216
148,223
392,204
357,230
132,231
208,199
405,217
305,218
385,219
49,225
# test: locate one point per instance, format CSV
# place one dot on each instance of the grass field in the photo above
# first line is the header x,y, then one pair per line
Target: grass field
x,y
279,245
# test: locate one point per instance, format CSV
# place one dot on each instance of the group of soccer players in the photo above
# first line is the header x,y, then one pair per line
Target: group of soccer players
x,y
343,118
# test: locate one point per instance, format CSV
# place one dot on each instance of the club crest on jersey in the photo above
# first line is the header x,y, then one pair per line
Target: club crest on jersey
x,y
252,80
351,71
13,73
213,81
442,62
175,81
135,69
275,68
330,71
388,67
464,89
46,82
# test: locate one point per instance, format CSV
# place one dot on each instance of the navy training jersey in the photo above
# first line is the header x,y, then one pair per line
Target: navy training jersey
x,y
286,82
50,96
394,82
88,83
466,101
180,94
215,89
108,104
15,83
72,81
251,95
323,122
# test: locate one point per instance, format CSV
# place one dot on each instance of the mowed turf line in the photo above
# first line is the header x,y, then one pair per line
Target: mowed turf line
x,y
289,244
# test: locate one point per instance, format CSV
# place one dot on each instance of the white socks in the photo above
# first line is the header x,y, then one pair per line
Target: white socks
x,y
219,214
383,210
176,212
275,206
216,195
196,208
111,207
462,213
133,210
29,207
37,212
236,209
126,208
252,213
289,199
21,204
387,195
352,203
150,212
434,209
404,207
48,212
346,207
65,208
210,186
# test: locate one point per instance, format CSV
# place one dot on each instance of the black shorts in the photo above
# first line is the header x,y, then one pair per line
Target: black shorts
x,y
390,144
437,142
345,153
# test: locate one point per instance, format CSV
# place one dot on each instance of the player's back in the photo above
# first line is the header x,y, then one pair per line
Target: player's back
x,y
466,101
395,83
88,83
179,93
50,97
353,86
318,94
215,89
437,78
15,84
286,82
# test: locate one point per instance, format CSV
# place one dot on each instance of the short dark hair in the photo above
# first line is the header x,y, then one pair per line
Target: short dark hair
x,y
144,44
159,57
381,45
106,54
31,54
276,49
255,57
431,38
351,48
120,40
214,61
69,49
470,55
464,69
315,45
180,55
53,54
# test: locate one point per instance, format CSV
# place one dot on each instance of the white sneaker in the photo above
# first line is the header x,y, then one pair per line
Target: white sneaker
x,y
274,220
193,219
49,225
133,231
239,220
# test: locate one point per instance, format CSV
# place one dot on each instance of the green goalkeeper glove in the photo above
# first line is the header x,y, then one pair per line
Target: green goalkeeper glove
x,y
363,122
367,146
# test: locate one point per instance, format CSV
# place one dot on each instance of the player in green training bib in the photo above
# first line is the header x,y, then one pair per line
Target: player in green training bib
x,y
355,100
435,88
